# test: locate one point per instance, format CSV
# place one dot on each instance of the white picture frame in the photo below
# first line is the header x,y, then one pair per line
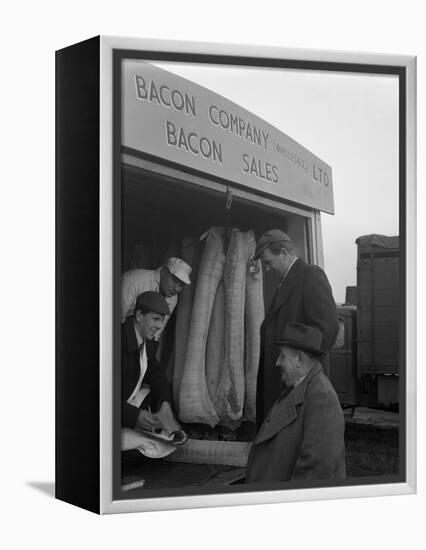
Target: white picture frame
x,y
113,49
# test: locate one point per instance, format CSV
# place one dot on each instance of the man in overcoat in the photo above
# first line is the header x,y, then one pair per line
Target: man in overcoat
x,y
303,295
302,437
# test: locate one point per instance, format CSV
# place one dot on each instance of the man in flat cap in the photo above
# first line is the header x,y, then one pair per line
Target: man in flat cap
x,y
145,391
302,437
303,295
168,280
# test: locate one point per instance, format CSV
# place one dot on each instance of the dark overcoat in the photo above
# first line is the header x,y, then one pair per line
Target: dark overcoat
x,y
130,371
302,437
305,297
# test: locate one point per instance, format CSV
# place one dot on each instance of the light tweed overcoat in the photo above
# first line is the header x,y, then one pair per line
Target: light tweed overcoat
x,y
302,437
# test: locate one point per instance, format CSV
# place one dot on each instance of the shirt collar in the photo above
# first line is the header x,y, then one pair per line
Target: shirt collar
x,y
283,277
138,338
299,381
289,267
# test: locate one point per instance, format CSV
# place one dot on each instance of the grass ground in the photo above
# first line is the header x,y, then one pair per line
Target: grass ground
x,y
371,450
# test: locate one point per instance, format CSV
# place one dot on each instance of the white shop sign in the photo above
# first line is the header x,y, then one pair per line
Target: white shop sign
x,y
169,117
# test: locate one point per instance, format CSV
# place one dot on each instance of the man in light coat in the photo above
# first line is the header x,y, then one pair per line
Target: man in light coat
x,y
303,295
302,437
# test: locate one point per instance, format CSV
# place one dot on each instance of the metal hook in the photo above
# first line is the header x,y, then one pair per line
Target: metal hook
x,y
229,197
228,228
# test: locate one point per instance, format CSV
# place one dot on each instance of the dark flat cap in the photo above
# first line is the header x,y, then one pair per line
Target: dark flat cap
x,y
268,238
152,301
303,337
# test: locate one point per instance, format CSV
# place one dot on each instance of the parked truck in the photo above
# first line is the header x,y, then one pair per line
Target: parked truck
x,y
365,360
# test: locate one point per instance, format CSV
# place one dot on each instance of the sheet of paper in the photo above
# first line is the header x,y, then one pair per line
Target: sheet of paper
x,y
144,443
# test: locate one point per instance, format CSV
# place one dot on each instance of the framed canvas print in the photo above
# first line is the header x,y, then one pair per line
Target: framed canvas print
x,y
235,259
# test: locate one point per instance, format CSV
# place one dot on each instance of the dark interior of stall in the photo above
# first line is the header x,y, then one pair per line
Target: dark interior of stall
x,y
158,212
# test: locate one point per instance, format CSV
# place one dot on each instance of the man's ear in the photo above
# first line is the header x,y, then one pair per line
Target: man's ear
x,y
284,252
138,316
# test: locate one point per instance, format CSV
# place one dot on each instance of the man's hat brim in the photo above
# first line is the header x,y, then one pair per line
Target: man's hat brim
x,y
152,301
260,249
268,238
297,345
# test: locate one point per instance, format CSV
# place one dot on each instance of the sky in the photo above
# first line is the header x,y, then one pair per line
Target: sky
x,y
348,120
